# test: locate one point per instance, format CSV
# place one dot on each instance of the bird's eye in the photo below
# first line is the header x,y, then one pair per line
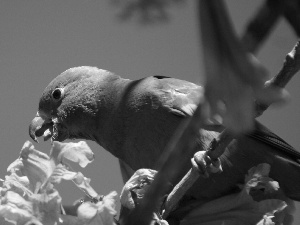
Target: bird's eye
x,y
57,94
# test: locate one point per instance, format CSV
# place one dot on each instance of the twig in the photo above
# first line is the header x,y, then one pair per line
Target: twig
x,y
214,151
292,14
175,157
290,67
261,25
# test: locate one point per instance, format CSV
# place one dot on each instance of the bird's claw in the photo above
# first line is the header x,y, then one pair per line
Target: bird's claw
x,y
205,165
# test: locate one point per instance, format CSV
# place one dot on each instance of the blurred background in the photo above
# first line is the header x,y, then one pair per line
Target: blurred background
x,y
41,39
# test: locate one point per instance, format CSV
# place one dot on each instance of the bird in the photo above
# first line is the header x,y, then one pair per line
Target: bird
x,y
135,119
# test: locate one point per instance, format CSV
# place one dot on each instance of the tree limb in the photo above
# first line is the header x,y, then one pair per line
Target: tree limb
x,y
292,14
261,25
181,145
290,67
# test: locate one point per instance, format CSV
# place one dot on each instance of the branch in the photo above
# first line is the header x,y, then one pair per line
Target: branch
x,y
292,14
290,67
171,164
214,151
233,76
261,25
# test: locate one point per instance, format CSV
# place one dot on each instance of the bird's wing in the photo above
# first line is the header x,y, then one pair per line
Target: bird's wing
x,y
182,98
261,133
179,96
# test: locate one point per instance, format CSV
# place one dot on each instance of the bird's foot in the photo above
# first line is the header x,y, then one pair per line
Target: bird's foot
x,y
205,165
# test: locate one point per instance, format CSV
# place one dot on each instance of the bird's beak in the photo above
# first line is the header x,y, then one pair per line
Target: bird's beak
x,y
38,126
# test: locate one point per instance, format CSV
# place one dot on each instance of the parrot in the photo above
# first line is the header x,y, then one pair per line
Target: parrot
x,y
135,119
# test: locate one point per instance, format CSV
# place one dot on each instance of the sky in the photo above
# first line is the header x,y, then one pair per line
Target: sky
x,y
41,39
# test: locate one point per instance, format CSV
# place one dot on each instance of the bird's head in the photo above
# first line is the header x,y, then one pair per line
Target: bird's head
x,y
70,103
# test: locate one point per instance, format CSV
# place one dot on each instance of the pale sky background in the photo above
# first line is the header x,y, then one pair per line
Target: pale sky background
x,y
40,39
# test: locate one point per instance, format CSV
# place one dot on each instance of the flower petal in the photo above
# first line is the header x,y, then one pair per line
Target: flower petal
x,y
61,172
15,208
47,206
15,165
37,165
33,222
87,211
17,184
102,213
258,178
77,152
84,184
109,203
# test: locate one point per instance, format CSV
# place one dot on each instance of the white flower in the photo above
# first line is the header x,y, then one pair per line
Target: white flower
x,y
28,196
100,213
241,208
